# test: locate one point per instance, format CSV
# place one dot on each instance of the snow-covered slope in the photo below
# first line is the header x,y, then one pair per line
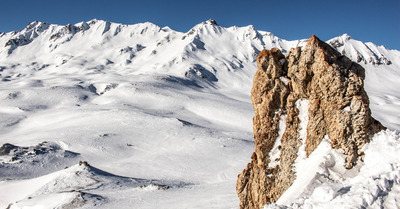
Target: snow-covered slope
x,y
322,181
76,186
146,102
207,51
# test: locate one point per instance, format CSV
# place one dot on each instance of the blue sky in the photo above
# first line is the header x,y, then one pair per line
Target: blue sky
x,y
365,20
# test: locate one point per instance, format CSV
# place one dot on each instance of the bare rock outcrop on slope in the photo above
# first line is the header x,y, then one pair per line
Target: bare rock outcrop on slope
x,y
328,88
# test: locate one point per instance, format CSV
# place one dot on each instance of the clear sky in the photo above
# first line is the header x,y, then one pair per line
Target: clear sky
x,y
365,20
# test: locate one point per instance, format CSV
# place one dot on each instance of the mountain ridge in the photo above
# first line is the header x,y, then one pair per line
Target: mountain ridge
x,y
33,29
148,48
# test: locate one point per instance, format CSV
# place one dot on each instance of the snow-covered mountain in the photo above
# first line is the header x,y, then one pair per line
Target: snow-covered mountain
x,y
207,51
147,103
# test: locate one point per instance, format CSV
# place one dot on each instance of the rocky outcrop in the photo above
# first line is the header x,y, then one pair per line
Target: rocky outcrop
x,y
298,100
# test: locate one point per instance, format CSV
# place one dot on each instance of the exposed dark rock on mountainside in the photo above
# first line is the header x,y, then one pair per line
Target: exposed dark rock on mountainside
x,y
330,88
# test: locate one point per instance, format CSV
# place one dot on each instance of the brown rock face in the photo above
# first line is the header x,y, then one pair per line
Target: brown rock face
x,y
338,107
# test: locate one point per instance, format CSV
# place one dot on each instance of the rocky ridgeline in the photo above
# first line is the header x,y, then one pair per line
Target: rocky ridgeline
x,y
329,86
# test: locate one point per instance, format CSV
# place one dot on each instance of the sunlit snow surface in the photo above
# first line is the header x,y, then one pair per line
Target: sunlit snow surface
x,y
374,183
164,119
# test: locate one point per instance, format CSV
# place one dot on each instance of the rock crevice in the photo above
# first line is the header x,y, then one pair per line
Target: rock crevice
x,y
337,107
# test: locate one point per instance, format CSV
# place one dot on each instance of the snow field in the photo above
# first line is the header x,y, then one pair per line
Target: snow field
x,y
373,183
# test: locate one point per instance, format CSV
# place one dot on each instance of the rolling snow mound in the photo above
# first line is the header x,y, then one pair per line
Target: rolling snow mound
x,y
72,188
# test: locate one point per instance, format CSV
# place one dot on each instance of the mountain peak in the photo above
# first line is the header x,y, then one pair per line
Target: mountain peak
x,y
209,26
40,26
211,22
345,37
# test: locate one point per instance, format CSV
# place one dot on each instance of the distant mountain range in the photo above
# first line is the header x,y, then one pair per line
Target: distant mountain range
x,y
207,51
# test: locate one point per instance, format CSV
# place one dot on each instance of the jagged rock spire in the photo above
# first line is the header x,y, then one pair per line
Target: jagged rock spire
x,y
329,87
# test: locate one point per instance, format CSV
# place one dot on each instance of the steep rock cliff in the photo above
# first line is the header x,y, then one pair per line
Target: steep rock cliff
x,y
298,100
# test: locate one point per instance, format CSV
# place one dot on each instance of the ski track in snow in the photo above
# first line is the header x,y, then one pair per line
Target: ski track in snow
x,y
169,115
